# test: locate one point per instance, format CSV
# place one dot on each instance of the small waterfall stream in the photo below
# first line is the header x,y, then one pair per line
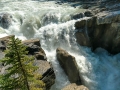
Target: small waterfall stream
x,y
53,25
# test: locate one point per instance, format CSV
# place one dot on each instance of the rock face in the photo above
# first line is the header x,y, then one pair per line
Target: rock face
x,y
5,20
73,86
101,30
79,15
45,68
33,47
69,65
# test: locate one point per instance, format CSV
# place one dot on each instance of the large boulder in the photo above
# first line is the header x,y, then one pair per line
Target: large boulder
x,y
73,86
5,20
69,65
34,49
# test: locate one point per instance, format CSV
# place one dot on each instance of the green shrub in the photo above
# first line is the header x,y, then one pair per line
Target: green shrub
x,y
20,72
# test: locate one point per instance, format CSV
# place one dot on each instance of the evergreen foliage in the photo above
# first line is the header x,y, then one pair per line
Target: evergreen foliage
x,y
20,72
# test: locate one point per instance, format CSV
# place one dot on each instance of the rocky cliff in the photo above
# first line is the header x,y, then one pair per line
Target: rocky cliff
x,y
102,29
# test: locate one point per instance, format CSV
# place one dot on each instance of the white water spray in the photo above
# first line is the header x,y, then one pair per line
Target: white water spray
x,y
52,24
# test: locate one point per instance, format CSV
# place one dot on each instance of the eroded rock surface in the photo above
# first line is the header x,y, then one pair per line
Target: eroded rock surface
x,y
101,30
69,65
34,48
45,68
73,86
5,20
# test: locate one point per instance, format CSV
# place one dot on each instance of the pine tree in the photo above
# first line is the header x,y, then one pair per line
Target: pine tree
x,y
20,72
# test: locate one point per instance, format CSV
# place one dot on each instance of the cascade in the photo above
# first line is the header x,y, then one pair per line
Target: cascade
x,y
52,24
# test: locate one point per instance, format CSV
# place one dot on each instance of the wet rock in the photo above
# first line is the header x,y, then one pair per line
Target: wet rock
x,y
90,22
82,39
80,24
5,20
88,13
100,31
85,6
69,65
78,16
46,70
73,86
33,46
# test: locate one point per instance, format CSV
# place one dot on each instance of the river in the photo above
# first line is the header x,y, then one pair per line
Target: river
x,y
52,23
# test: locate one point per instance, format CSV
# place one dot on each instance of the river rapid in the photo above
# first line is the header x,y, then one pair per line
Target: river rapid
x,y
52,23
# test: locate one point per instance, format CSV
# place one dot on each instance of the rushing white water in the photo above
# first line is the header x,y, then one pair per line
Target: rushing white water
x,y
52,24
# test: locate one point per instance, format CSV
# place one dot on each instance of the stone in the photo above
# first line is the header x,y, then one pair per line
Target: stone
x,y
85,6
34,41
73,86
46,70
101,30
78,16
69,65
82,39
80,24
88,13
34,48
5,20
6,38
90,22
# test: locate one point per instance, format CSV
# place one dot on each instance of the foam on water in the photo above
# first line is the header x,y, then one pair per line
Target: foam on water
x,y
52,24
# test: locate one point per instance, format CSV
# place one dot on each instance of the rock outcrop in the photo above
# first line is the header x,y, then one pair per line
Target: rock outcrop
x,y
69,65
34,48
45,68
73,86
101,30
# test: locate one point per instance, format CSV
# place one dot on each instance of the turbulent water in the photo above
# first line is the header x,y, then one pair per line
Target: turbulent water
x,y
52,23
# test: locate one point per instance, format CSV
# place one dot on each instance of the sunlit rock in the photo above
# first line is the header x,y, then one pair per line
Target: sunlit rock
x,y
45,68
73,86
69,65
88,13
77,16
34,49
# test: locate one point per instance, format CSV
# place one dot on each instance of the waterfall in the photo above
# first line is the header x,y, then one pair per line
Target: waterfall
x,y
53,25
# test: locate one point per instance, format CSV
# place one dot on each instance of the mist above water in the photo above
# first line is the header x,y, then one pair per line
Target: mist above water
x,y
53,25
